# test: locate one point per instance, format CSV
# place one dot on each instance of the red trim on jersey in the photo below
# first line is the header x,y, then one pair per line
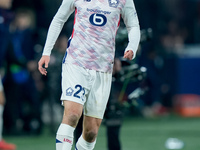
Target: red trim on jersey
x,y
74,22
118,24
119,21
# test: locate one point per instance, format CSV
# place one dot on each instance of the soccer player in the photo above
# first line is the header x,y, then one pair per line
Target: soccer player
x,y
87,65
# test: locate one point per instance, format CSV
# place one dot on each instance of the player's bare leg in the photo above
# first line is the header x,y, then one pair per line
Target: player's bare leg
x,y
72,113
90,130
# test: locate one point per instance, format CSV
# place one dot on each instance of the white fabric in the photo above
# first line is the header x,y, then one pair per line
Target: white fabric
x,y
130,18
87,87
65,129
92,43
64,137
65,10
84,145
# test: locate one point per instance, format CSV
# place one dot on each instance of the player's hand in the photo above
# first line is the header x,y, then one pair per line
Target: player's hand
x,y
128,54
43,61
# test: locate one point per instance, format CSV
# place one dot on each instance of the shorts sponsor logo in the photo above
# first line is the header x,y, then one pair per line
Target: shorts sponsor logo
x,y
113,3
69,91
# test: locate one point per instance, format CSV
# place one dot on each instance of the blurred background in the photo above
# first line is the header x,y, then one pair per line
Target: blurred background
x,y
155,99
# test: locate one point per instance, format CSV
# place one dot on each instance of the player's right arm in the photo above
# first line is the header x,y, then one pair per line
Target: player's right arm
x,y
66,9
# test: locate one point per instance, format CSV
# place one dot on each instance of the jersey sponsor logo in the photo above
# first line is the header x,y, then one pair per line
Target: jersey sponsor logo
x,y
98,11
69,91
98,19
113,3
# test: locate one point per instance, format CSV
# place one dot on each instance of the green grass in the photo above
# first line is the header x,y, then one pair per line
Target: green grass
x,y
136,134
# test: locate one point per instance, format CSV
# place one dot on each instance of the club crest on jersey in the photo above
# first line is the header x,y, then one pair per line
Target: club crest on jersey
x,y
69,91
113,3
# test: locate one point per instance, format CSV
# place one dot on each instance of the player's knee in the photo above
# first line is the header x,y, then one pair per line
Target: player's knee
x,y
72,119
90,135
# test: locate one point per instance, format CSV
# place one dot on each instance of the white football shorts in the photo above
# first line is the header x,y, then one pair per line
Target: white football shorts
x,y
87,87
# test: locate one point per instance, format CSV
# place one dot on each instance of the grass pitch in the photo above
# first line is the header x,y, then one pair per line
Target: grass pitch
x,y
136,134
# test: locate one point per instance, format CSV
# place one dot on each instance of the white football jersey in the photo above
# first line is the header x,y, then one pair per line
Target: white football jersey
x,y
92,44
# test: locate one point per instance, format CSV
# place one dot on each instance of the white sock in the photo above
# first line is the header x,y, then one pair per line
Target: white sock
x,y
84,145
1,121
64,137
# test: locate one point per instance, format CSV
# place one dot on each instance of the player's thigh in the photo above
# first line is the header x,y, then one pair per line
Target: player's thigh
x,y
74,85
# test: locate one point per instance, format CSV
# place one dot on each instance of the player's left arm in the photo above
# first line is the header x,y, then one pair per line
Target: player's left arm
x,y
130,18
